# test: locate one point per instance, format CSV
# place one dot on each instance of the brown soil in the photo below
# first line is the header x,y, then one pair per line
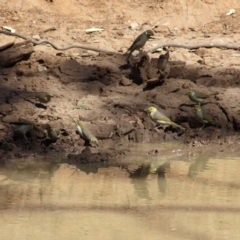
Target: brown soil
x,y
117,97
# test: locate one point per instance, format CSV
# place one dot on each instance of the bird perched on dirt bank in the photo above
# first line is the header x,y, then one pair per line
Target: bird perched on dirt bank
x,y
203,118
163,63
22,127
139,42
44,97
53,133
84,132
161,119
199,97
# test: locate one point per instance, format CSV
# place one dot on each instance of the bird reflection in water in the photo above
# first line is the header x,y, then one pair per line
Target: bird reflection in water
x,y
139,175
199,165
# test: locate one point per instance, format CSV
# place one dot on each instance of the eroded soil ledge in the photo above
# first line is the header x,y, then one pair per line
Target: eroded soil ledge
x,y
116,99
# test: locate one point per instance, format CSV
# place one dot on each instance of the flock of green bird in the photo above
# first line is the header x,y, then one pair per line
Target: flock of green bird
x,y
164,68
202,117
23,127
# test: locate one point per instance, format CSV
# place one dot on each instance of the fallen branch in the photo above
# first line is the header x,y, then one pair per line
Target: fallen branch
x,y
54,46
195,46
178,45
48,29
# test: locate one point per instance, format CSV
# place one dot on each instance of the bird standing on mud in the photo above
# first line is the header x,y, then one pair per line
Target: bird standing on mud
x,y
84,132
163,61
44,97
139,42
163,64
161,119
53,133
22,127
199,97
203,118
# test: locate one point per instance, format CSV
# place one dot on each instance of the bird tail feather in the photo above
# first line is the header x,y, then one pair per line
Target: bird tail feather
x,y
128,56
73,119
214,93
176,125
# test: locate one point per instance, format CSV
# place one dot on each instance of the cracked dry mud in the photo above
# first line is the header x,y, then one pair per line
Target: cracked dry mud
x,y
112,102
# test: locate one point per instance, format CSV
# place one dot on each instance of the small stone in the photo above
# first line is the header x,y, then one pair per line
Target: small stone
x,y
92,53
15,18
41,68
125,81
134,26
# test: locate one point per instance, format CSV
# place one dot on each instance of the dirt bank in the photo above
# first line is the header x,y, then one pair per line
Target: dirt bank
x,y
110,100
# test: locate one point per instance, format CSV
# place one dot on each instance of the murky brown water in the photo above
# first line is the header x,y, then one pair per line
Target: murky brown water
x,y
194,199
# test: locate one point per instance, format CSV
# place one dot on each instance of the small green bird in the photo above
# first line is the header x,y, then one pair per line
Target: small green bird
x,y
203,118
161,119
44,97
22,127
163,61
53,133
84,132
199,97
139,42
163,65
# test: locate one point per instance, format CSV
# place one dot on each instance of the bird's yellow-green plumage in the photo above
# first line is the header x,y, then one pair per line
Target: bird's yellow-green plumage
x,y
163,65
22,127
199,97
160,118
163,61
53,133
139,42
202,117
84,132
44,97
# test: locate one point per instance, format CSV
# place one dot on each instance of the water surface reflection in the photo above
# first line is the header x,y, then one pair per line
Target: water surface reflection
x,y
157,199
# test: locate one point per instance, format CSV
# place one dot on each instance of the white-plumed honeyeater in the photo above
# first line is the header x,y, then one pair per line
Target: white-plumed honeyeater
x,y
199,97
164,65
53,133
204,118
163,62
161,119
84,132
22,127
139,42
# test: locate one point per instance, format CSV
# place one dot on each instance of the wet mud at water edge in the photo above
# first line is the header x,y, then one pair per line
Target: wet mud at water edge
x,y
136,198
110,97
115,113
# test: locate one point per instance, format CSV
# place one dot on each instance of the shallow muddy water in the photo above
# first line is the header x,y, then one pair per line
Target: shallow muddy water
x,y
142,198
